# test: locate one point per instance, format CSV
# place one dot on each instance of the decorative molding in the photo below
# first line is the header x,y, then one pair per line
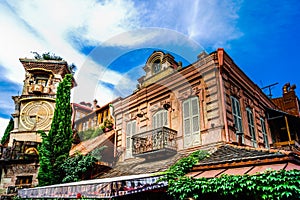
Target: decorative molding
x,y
236,91
248,102
196,90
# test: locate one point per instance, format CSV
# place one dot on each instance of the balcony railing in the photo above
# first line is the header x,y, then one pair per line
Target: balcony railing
x,y
35,96
20,151
36,88
159,140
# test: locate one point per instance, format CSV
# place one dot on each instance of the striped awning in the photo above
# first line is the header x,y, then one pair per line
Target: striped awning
x,y
97,188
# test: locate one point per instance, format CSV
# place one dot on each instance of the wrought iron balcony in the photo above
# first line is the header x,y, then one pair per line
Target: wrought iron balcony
x,y
156,143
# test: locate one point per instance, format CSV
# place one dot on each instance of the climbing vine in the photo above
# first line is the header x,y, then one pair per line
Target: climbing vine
x,y
184,165
269,185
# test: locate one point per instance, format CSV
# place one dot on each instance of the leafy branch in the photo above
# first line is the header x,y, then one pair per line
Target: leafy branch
x,y
183,166
268,185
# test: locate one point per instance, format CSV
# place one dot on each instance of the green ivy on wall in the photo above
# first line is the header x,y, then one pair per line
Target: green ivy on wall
x,y
184,165
268,185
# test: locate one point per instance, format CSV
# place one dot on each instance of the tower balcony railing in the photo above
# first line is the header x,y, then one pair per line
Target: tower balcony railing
x,y
36,88
151,144
41,96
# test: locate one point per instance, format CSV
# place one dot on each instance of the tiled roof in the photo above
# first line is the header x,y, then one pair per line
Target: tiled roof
x,y
83,107
240,160
137,166
88,146
232,153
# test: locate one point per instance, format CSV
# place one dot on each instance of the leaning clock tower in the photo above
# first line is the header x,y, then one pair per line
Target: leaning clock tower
x,y
34,108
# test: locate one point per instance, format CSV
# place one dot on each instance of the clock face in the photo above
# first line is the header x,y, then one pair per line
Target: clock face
x,y
36,115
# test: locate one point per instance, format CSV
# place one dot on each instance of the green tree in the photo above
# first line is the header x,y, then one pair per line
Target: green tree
x,y
56,145
8,129
46,56
75,167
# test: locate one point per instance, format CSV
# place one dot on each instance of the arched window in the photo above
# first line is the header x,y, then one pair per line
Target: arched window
x,y
160,119
156,67
191,122
130,131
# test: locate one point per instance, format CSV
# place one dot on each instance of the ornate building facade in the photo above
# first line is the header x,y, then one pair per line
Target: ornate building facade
x,y
175,110
206,103
34,110
210,102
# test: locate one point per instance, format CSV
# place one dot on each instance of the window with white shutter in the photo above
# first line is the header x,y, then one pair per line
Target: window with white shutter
x,y
236,112
130,131
191,122
160,119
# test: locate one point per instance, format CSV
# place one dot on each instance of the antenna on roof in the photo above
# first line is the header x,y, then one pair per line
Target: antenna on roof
x,y
270,89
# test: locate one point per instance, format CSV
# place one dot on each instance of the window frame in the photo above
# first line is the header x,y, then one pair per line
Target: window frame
x,y
129,133
155,119
251,126
156,67
23,180
264,132
237,117
188,122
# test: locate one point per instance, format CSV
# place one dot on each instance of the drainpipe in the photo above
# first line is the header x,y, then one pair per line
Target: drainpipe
x,y
220,60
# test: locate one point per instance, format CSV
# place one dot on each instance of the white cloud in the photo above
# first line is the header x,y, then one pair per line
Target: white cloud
x,y
34,26
16,40
210,22
63,27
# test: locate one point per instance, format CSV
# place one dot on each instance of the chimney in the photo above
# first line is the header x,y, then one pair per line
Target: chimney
x,y
286,88
95,106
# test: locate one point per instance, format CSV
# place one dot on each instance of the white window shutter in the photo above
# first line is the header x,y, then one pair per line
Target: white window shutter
x,y
187,124
160,119
154,121
191,122
165,117
130,131
195,121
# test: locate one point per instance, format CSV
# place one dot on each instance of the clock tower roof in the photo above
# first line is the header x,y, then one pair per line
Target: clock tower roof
x,y
55,66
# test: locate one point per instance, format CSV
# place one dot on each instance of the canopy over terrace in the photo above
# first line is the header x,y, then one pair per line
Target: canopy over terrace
x,y
98,188
285,128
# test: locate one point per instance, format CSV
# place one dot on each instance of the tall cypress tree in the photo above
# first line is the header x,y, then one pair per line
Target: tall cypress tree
x,y
56,145
8,129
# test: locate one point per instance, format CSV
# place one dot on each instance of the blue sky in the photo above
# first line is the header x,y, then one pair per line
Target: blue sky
x,y
109,41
